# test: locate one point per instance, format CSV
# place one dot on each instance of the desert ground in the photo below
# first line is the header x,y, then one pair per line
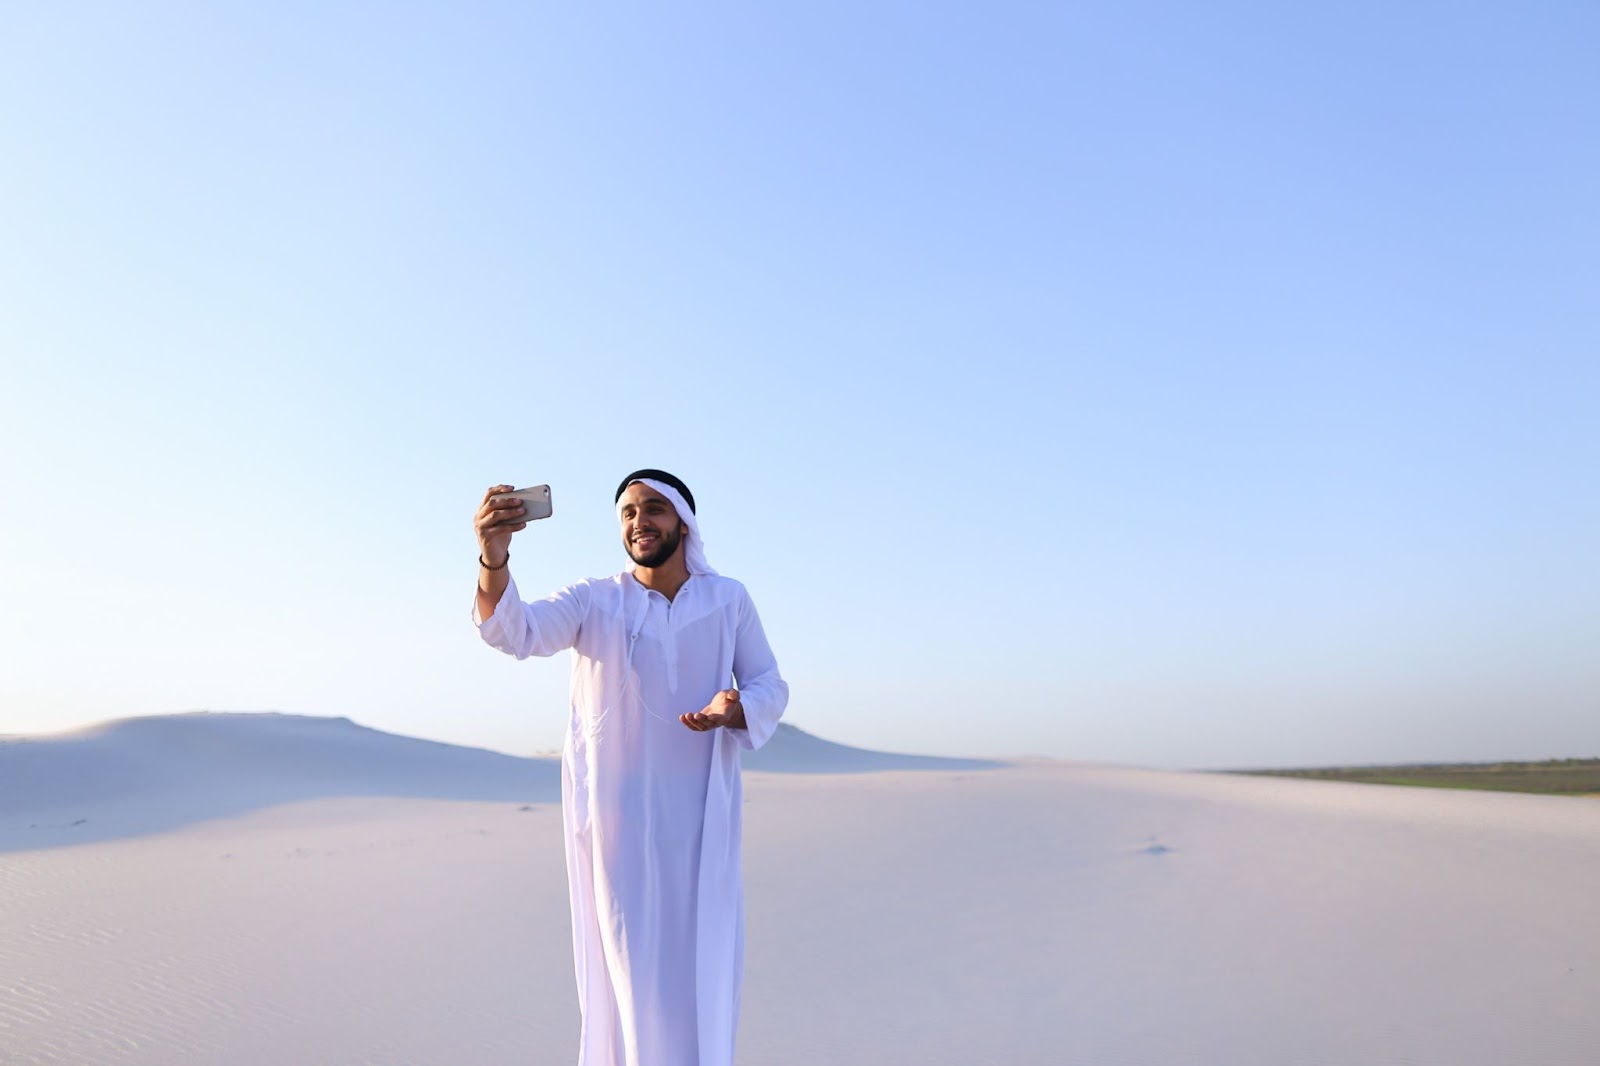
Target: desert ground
x,y
262,890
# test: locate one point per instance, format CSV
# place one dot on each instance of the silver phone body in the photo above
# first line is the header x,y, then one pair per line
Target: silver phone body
x,y
535,499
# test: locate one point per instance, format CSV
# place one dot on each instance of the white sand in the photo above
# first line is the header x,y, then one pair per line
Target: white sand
x,y
253,910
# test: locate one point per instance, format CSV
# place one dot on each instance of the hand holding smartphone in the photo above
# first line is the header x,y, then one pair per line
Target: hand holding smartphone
x,y
536,499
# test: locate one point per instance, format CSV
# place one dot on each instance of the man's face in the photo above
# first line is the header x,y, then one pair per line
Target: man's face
x,y
651,531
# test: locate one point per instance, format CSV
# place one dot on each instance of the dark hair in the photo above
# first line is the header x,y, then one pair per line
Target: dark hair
x,y
656,475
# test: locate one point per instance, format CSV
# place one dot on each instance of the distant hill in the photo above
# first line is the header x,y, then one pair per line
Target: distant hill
x,y
143,775
794,751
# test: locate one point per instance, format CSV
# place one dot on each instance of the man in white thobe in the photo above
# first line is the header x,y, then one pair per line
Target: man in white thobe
x,y
651,796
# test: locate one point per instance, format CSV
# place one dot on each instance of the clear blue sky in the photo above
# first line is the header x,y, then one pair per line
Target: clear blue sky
x,y
1174,384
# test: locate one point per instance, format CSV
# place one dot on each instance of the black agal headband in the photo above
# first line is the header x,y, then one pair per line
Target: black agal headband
x,y
656,475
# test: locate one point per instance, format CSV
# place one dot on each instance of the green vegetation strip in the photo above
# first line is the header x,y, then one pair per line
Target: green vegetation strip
x,y
1555,777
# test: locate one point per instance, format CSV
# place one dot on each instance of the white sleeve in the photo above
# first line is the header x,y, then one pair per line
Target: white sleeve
x,y
763,693
540,628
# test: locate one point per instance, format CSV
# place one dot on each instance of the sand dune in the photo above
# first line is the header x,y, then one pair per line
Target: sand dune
x,y
145,775
794,751
1037,912
142,775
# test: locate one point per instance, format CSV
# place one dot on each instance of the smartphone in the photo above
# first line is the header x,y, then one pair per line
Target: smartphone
x,y
535,499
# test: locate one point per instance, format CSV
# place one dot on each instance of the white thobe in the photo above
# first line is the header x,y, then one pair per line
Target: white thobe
x,y
652,808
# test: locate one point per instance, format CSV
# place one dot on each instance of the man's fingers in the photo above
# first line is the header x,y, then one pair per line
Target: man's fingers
x,y
499,524
498,510
703,721
494,514
718,714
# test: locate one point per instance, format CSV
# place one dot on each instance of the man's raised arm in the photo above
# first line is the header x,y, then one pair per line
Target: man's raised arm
x,y
504,621
494,523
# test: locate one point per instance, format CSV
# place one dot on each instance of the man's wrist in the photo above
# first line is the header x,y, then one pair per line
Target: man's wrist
x,y
485,560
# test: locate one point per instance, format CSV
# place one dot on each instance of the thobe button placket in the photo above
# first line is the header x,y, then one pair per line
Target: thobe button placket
x,y
669,651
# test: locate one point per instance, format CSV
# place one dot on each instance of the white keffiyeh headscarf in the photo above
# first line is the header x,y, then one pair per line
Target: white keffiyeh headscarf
x,y
694,546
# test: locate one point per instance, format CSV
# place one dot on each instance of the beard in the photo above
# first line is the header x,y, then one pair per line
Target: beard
x,y
670,539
